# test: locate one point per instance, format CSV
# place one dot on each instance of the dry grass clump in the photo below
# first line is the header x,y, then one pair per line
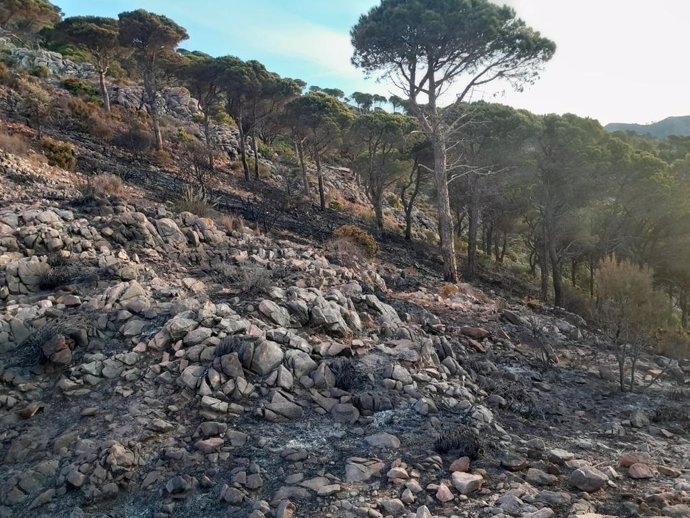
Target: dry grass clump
x,y
232,223
14,144
194,200
448,290
247,280
107,185
674,344
359,236
346,252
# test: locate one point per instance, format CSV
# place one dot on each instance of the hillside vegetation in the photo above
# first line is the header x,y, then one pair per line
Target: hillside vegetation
x,y
670,126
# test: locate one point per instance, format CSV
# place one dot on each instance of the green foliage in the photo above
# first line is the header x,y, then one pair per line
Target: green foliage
x,y
40,70
335,205
95,34
467,37
220,116
318,118
28,16
286,151
264,168
149,33
71,52
394,201
59,154
117,71
265,150
183,136
7,59
359,236
80,88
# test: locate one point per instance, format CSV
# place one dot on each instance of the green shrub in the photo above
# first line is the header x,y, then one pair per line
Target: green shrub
x,y
285,149
117,71
39,71
394,201
69,51
183,136
335,205
264,169
80,88
59,154
264,149
359,236
578,302
7,59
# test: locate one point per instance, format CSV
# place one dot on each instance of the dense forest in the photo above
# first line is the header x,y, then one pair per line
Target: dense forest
x,y
599,221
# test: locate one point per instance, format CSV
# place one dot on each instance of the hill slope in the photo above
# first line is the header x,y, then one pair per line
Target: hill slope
x,y
661,129
170,365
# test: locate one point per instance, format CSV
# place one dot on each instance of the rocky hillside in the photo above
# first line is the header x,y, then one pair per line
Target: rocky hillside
x,y
164,364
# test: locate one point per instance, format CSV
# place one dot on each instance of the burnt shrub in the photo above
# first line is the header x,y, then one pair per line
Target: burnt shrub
x,y
461,440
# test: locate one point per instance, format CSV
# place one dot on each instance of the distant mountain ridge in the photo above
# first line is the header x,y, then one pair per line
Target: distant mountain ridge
x,y
660,130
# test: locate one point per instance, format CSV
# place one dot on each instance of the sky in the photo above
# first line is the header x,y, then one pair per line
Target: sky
x,y
616,61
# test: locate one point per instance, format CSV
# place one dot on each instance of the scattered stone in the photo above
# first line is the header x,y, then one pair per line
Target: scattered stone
x,y
640,471
466,483
588,479
361,470
383,440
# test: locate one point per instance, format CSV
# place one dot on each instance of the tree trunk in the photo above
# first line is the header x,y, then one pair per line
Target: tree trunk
x,y
472,227
621,366
497,246
573,272
533,259
409,204
633,365
303,165
157,131
591,278
504,247
544,268
243,149
319,175
489,236
445,218
255,150
207,138
378,211
150,92
408,223
104,90
557,276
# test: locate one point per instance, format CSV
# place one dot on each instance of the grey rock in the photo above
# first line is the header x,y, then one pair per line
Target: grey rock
x,y
588,479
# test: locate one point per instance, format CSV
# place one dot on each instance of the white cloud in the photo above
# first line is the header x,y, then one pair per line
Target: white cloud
x,y
327,50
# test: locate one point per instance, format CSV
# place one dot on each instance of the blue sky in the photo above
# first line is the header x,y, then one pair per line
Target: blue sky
x,y
305,39
617,60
